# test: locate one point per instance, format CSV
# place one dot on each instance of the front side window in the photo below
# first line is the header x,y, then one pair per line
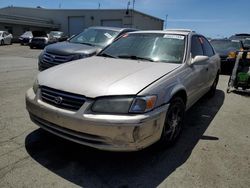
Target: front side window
x,y
208,50
196,47
95,37
155,47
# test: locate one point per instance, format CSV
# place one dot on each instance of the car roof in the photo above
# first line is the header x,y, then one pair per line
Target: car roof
x,y
169,31
119,29
233,40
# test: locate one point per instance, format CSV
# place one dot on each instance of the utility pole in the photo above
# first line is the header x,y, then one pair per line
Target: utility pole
x,y
133,9
166,21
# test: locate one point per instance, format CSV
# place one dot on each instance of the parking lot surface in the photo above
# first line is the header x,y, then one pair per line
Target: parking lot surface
x,y
213,150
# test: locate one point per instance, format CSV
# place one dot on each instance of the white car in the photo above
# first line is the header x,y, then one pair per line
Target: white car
x,y
132,94
5,38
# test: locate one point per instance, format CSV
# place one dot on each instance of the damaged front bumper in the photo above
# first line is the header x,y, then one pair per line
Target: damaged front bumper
x,y
105,132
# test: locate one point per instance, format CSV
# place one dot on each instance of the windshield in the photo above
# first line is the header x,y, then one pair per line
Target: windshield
x,y
226,45
95,37
148,46
247,42
56,33
27,34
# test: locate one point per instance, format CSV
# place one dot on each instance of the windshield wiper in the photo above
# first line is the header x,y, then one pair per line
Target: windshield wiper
x,y
106,55
136,57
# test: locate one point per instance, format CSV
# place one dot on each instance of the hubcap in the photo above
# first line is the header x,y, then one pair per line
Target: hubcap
x,y
173,122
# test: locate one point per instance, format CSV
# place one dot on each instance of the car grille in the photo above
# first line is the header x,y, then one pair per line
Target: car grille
x,y
55,59
62,99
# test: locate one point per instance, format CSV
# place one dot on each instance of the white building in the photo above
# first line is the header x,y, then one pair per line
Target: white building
x,y
71,21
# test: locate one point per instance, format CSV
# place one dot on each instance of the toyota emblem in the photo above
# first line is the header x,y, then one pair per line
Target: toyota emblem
x,y
58,100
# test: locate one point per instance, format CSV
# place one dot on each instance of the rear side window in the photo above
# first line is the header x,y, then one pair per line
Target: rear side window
x,y
207,48
196,48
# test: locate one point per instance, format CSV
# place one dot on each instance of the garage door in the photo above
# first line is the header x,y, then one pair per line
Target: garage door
x,y
76,25
112,23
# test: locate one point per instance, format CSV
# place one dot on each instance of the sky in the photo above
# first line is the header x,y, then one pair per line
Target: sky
x,y
212,18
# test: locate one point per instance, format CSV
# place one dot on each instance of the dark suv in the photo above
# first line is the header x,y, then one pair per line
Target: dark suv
x,y
39,40
85,44
227,50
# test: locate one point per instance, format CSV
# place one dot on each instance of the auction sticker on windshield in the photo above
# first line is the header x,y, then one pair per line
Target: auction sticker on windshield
x,y
108,35
180,37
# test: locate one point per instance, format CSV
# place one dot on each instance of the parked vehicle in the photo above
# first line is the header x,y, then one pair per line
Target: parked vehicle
x,y
25,38
83,45
227,49
240,36
40,39
132,94
5,37
57,36
247,44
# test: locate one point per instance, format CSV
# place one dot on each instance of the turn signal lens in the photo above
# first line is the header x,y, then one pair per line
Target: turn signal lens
x,y
143,104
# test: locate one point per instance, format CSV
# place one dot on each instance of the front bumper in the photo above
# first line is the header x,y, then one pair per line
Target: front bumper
x,y
105,132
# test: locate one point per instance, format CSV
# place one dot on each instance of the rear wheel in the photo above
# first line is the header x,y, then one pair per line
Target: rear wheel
x,y
2,42
173,122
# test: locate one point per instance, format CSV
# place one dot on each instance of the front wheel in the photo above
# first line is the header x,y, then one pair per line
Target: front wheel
x,y
173,122
2,42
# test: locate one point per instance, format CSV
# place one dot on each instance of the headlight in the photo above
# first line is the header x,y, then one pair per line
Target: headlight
x,y
41,54
113,105
79,56
124,105
35,86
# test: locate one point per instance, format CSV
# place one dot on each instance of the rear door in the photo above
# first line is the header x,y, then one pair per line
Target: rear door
x,y
6,37
211,64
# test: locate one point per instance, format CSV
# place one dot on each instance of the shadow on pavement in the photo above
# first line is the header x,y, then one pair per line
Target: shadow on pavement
x,y
245,93
88,167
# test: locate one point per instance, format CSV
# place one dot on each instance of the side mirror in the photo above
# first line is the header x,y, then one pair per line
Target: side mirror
x,y
199,59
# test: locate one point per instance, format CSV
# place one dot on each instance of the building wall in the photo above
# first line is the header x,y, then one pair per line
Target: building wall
x,y
92,17
146,22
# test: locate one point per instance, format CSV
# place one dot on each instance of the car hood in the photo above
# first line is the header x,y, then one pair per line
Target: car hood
x,y
99,76
68,48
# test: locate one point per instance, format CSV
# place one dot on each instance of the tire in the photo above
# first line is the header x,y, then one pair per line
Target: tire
x,y
173,122
2,42
212,90
31,47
